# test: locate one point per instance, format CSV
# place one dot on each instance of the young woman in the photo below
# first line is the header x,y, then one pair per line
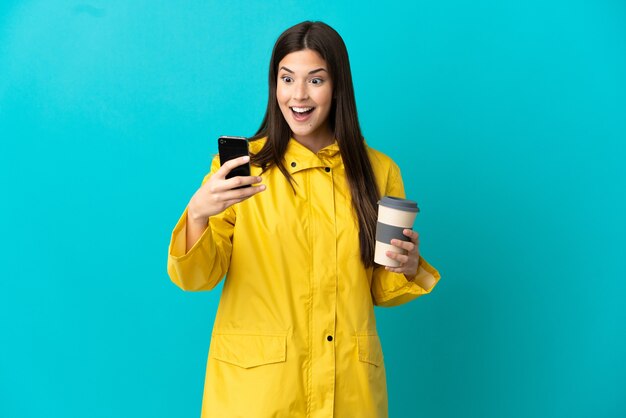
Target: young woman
x,y
295,333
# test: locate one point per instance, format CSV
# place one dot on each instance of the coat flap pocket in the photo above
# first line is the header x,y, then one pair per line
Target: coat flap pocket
x,y
370,350
249,350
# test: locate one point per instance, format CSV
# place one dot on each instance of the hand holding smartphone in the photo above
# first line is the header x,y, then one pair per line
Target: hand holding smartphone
x,y
218,193
231,147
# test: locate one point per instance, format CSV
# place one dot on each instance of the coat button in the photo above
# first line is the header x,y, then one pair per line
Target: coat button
x,y
327,169
329,338
293,164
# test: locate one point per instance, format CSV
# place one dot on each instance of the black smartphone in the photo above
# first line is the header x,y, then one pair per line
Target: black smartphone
x,y
230,147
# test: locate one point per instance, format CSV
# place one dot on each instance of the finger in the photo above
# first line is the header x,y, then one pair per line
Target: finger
x,y
241,194
220,185
235,201
411,234
405,245
398,257
230,164
395,269
237,181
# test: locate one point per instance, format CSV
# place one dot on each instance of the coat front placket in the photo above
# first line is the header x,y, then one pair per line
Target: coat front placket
x,y
316,172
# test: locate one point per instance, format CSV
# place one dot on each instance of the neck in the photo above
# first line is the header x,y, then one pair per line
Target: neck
x,y
316,141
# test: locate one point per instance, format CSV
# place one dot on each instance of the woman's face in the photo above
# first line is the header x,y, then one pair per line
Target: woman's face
x,y
304,92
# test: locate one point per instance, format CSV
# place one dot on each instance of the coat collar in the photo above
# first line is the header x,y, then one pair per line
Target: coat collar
x,y
298,157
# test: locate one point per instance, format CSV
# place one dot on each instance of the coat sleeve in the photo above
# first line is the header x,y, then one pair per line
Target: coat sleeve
x,y
392,289
206,263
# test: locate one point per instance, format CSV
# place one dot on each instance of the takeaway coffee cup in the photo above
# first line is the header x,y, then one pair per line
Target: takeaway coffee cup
x,y
394,216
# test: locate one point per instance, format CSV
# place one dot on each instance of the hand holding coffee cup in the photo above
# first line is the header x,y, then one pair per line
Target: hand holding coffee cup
x,y
397,246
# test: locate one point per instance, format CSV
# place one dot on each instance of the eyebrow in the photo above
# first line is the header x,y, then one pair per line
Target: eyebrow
x,y
310,72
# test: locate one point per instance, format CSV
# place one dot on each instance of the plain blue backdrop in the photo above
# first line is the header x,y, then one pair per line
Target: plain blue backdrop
x,y
507,118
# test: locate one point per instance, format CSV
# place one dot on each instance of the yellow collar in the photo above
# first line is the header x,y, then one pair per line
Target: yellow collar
x,y
298,157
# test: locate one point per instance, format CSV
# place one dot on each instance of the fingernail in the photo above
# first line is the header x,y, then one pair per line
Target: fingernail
x,y
259,179
262,187
246,158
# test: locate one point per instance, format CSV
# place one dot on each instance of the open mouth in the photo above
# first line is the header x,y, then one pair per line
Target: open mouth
x,y
301,113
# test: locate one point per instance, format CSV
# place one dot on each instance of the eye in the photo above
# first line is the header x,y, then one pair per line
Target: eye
x,y
317,81
286,79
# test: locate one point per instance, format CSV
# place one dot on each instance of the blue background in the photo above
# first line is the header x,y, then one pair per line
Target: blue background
x,y
508,120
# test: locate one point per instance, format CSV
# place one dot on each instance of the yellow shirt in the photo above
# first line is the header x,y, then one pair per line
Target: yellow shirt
x,y
295,333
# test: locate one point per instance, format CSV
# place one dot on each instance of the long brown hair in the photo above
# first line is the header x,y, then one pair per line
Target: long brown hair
x,y
343,119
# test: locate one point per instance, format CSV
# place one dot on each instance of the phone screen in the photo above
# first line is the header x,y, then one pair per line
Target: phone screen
x,y
231,147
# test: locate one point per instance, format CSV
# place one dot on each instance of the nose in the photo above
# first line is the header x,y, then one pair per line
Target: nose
x,y
300,91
